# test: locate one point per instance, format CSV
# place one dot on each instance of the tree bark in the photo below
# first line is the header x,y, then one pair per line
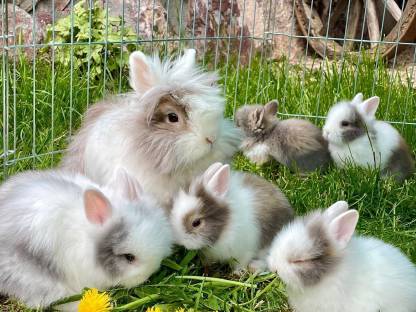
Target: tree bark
x,y
353,21
394,9
372,23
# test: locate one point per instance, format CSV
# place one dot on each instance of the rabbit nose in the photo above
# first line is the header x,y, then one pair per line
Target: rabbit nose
x,y
210,140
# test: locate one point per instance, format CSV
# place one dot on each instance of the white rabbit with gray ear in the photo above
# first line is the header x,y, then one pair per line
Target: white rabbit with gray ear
x,y
168,130
60,232
295,143
355,136
327,269
230,216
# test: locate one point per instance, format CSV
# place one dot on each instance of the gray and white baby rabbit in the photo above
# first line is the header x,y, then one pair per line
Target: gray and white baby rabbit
x,y
60,232
326,269
230,216
170,129
295,143
354,135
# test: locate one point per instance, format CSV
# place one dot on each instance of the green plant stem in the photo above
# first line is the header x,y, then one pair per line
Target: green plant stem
x,y
137,303
218,281
264,290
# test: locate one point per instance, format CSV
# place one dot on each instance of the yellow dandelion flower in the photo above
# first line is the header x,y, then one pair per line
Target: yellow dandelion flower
x,y
92,301
154,309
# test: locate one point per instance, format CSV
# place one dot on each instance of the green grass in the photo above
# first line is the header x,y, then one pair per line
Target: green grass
x,y
388,210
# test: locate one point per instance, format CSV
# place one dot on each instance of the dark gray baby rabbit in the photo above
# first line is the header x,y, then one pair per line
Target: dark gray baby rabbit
x,y
295,143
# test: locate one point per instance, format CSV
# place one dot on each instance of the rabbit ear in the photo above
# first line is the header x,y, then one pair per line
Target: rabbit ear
x,y
336,209
342,227
257,116
189,57
97,207
219,183
369,106
358,99
271,108
141,76
186,62
209,173
124,185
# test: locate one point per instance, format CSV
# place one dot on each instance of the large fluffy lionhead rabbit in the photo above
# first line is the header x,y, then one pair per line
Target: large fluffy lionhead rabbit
x,y
171,128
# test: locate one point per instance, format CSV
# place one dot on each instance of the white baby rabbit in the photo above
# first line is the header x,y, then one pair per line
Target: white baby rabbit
x,y
327,270
354,135
295,143
230,216
60,232
166,132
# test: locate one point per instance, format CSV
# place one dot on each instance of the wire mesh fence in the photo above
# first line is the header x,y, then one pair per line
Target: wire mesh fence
x,y
60,56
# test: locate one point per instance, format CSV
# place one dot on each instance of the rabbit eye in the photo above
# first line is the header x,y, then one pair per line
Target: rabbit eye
x,y
173,117
196,223
306,260
345,123
299,261
129,257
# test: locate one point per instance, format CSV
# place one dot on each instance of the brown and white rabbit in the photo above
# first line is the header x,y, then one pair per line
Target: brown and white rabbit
x,y
166,132
295,143
355,136
230,216
60,232
326,269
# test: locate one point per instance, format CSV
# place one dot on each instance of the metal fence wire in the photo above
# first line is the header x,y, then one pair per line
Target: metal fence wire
x,y
59,56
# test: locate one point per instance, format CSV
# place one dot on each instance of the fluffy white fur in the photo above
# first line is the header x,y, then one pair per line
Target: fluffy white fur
x,y
368,150
370,276
242,225
48,246
113,140
258,153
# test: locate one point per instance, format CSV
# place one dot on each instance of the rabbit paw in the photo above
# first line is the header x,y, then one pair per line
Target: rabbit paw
x,y
239,271
259,154
257,266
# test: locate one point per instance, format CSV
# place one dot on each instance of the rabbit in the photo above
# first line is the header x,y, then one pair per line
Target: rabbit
x,y
170,129
295,143
355,136
61,232
326,269
230,216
